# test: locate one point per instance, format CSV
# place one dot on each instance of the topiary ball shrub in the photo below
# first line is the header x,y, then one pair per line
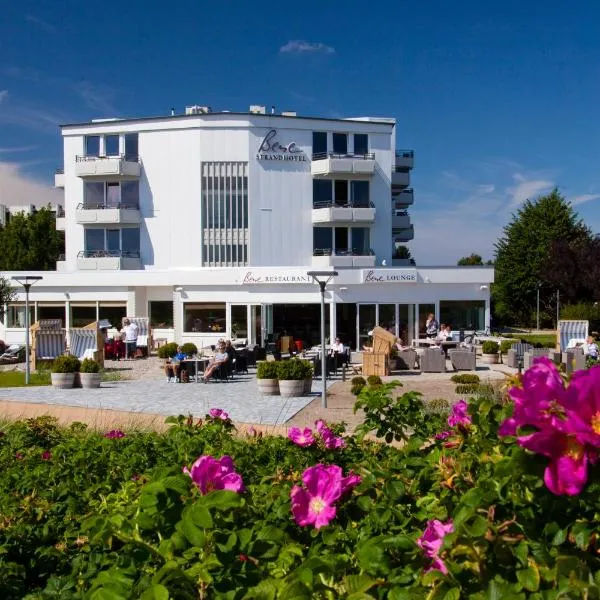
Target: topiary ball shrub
x,y
438,406
465,378
168,350
374,380
357,388
266,370
291,370
89,365
189,349
358,380
489,347
467,388
506,345
66,363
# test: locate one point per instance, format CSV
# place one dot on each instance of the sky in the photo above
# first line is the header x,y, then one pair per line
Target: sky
x,y
498,100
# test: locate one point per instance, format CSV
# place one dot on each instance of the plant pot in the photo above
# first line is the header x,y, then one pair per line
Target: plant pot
x,y
291,388
62,381
268,387
90,380
308,385
489,359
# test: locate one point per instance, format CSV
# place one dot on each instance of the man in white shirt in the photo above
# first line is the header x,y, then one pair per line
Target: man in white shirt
x,y
130,334
590,348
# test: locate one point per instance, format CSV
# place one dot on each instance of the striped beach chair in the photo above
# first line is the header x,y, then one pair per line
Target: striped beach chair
x,y
87,342
571,331
516,355
144,339
48,340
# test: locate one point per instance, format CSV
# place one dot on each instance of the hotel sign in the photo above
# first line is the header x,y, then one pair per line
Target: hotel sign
x,y
271,149
389,276
270,277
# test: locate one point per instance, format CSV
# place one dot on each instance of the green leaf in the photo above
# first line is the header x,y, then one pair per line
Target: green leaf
x,y
529,578
358,583
271,533
200,515
222,500
371,555
295,591
156,592
477,526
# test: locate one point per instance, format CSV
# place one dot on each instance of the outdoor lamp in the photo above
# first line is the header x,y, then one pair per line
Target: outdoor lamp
x,y
323,278
27,281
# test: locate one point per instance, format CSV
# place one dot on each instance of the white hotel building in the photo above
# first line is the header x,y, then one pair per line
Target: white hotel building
x,y
208,222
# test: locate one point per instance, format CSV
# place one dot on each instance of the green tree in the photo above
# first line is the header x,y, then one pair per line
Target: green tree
x,y
472,260
402,252
523,250
31,242
7,293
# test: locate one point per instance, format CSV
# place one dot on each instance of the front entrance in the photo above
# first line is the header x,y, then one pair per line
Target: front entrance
x,y
301,321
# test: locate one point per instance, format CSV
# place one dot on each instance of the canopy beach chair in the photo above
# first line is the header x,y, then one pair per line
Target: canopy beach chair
x,y
571,332
48,341
87,342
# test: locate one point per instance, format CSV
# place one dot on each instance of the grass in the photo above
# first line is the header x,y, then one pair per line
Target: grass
x,y
17,378
547,340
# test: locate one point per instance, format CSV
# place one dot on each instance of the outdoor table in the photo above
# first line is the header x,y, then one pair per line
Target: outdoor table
x,y
196,360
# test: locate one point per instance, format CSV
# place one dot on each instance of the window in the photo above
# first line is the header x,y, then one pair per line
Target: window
x,y
239,321
341,192
92,145
51,311
319,145
82,314
113,240
361,143
204,318
111,194
340,143
322,192
322,238
93,194
161,313
94,240
113,313
361,241
130,240
463,314
341,240
111,145
15,315
130,194
359,193
131,146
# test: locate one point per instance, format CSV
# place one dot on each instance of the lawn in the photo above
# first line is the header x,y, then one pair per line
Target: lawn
x,y
17,378
547,340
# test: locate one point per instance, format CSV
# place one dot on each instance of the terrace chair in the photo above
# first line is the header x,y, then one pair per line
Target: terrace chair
x,y
463,359
571,330
515,356
530,356
433,360
406,359
48,344
574,360
86,342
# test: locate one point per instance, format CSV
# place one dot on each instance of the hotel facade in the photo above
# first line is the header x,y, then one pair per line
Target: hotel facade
x,y
208,222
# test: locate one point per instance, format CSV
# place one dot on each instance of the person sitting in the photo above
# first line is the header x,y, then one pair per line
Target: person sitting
x,y
338,351
431,326
441,336
590,348
232,354
448,332
221,357
173,366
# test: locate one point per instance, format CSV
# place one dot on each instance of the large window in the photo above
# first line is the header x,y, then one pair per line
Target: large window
x,y
92,145
111,145
131,146
51,311
112,240
319,142
82,314
94,240
130,240
322,239
341,240
341,192
225,213
161,313
111,194
463,314
361,143
322,192
239,321
15,315
113,313
359,193
361,241
340,143
204,318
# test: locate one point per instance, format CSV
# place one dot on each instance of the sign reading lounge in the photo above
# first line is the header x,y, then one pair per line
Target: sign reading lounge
x,y
271,149
389,276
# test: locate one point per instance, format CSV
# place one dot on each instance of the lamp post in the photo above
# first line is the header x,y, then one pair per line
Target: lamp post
x,y
27,281
323,278
538,306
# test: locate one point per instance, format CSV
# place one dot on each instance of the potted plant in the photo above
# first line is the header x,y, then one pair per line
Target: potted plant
x,y
189,349
291,374
63,371
89,373
489,352
266,378
308,374
168,350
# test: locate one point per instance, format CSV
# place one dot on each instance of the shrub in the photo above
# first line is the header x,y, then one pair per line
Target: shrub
x,y
467,388
168,350
505,346
89,365
189,349
266,370
374,380
489,347
293,370
465,378
357,388
438,405
358,381
66,363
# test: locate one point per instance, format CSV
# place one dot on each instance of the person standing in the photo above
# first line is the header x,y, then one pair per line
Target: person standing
x,y
130,334
431,326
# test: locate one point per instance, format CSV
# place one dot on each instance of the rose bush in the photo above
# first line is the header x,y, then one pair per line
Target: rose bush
x,y
467,515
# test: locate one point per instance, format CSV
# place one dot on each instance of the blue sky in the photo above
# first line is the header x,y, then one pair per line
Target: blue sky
x,y
498,100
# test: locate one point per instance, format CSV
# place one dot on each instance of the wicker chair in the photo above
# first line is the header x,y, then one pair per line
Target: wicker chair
x,y
463,359
530,356
433,360
406,359
574,360
515,355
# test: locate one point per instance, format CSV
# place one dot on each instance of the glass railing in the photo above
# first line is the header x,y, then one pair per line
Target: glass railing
x,y
338,252
323,155
102,206
332,204
108,254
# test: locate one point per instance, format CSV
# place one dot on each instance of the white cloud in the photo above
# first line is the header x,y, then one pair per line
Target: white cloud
x,y
3,95
301,46
575,200
527,189
16,188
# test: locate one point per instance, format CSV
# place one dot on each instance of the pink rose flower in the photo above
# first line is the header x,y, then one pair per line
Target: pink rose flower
x,y
301,437
431,543
330,440
209,474
218,413
114,434
46,455
459,416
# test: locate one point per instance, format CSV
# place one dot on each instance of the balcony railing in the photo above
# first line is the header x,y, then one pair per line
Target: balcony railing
x,y
60,212
323,155
405,154
102,206
331,204
353,252
125,157
108,254
59,172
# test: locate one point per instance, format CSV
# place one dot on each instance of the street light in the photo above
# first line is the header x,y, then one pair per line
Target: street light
x,y
27,281
323,278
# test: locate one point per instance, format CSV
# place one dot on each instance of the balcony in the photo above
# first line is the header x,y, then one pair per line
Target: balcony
x,y
59,179
400,220
87,214
343,165
326,257
403,199
404,159
403,235
60,218
400,179
108,260
327,212
101,167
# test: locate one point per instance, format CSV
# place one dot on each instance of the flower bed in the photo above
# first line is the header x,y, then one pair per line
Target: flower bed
x,y
450,510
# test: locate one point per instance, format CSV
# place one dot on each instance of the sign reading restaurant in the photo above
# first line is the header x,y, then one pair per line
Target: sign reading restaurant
x,y
389,276
253,277
271,149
